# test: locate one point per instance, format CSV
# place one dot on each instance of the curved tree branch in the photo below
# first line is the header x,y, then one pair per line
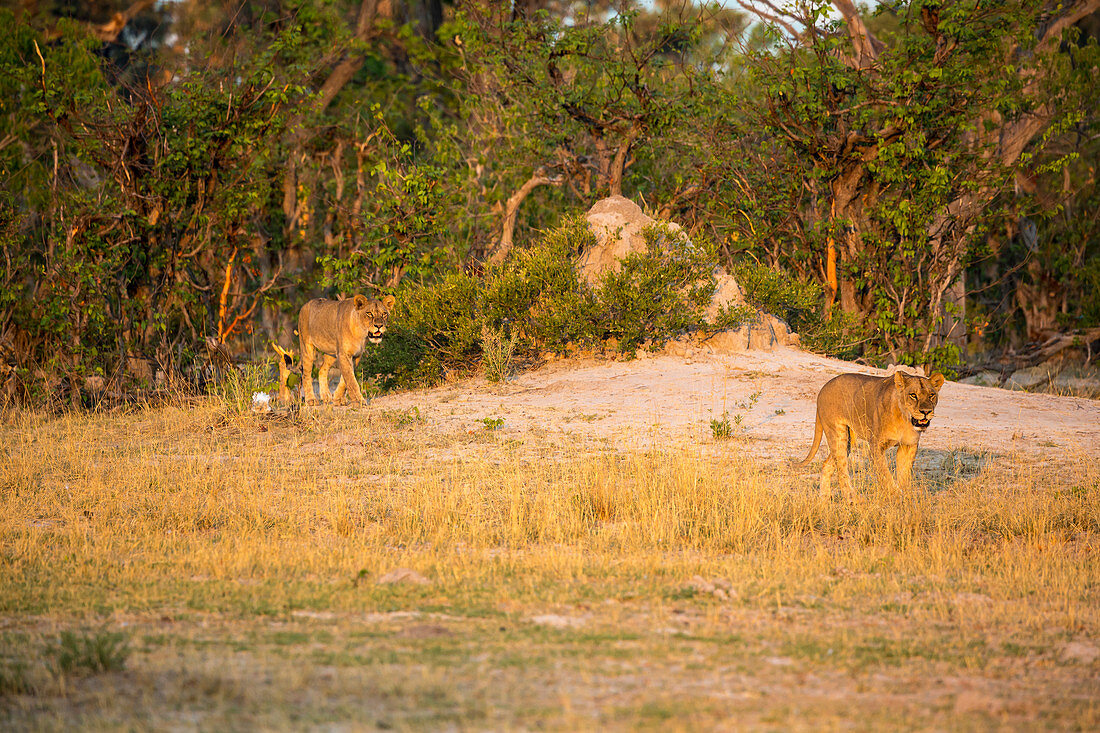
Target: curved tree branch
x,y
511,209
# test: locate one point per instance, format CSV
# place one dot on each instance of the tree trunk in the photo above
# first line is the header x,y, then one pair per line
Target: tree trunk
x,y
619,164
511,209
953,309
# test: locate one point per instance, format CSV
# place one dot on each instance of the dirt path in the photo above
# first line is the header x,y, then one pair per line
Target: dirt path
x,y
662,400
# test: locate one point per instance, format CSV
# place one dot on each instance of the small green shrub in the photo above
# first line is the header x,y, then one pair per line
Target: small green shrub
x,y
492,423
721,429
801,304
774,291
90,652
733,317
14,679
237,386
496,353
838,334
660,293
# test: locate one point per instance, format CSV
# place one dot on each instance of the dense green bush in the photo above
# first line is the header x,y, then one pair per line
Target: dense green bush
x,y
798,302
537,298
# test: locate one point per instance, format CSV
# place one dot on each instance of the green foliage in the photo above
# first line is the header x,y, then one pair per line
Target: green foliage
x,y
537,297
496,353
838,334
165,191
90,652
657,294
721,429
492,423
773,290
151,199
236,386
899,164
399,232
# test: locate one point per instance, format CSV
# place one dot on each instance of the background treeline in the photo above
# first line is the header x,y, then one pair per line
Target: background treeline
x,y
914,181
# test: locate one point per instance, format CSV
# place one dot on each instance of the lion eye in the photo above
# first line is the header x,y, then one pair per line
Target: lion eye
x,y
913,395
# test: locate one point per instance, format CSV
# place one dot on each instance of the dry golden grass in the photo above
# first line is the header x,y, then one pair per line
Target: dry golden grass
x,y
239,556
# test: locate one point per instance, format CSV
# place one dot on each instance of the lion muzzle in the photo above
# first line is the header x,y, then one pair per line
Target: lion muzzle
x,y
921,423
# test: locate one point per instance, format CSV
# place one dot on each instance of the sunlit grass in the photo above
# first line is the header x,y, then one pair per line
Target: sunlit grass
x,y
164,519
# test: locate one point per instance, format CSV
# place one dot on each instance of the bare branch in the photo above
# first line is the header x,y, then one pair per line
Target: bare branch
x,y
345,70
775,16
511,209
1053,33
866,46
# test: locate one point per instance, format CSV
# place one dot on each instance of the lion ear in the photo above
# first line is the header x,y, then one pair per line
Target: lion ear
x,y
899,379
389,302
361,301
937,381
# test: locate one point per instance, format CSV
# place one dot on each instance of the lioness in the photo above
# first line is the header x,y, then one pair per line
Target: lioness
x,y
339,329
884,411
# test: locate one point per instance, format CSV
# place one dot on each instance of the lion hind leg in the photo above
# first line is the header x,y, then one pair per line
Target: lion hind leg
x,y
308,353
322,377
827,471
839,445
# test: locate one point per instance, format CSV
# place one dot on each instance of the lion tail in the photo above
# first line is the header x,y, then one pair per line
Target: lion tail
x,y
818,430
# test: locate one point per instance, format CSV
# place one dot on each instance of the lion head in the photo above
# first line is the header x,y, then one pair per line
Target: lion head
x,y
373,315
917,397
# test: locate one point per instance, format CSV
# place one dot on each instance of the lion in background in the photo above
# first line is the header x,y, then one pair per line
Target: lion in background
x,y
339,330
884,411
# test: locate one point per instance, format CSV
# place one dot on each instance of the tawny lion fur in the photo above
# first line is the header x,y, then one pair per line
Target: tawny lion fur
x,y
884,411
339,330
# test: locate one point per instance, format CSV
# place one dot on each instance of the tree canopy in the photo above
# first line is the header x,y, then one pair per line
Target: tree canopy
x,y
182,170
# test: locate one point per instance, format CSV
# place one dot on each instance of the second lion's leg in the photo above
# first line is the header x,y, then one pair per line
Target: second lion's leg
x,y
307,372
342,387
838,452
882,468
827,475
906,454
348,381
322,377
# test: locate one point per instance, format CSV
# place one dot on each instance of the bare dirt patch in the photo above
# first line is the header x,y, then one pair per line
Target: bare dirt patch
x,y
662,401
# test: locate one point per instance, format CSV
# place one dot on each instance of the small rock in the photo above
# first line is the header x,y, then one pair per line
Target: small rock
x,y
779,661
1029,378
403,575
720,588
985,378
557,621
1079,651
